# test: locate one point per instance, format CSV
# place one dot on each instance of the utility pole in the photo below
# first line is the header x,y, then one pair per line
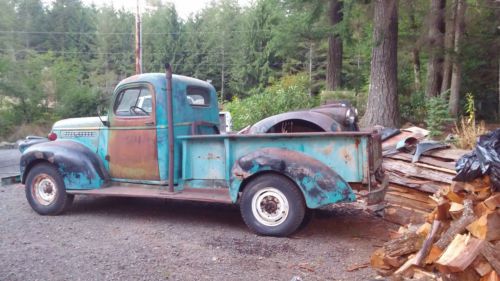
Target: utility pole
x,y
138,41
222,78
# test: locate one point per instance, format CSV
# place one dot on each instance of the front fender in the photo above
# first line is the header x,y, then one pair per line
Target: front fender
x,y
319,184
79,166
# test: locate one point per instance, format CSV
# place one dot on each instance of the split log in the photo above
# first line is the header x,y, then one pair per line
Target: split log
x,y
456,210
461,252
487,227
491,253
441,215
377,260
408,243
492,276
457,226
493,201
481,266
402,215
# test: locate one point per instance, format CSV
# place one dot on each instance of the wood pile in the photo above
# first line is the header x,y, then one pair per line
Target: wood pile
x,y
412,184
459,240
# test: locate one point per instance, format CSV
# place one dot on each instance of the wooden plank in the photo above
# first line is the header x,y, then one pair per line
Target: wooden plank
x,y
482,266
450,165
446,153
444,170
410,198
409,169
418,184
461,252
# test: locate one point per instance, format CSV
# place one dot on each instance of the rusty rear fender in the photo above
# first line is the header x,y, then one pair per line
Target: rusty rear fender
x,y
80,167
319,184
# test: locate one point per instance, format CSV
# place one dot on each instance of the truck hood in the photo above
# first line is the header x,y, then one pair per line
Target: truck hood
x,y
80,123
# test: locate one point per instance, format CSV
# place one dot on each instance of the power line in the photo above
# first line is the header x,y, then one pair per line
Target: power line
x,y
128,33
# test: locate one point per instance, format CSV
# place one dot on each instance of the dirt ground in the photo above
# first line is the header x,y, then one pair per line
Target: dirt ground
x,y
103,238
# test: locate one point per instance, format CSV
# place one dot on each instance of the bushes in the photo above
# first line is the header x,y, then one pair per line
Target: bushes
x,y
289,93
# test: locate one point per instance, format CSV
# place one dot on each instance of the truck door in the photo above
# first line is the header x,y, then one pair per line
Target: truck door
x,y
132,146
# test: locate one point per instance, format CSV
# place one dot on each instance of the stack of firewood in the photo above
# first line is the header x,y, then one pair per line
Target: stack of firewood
x,y
459,241
412,184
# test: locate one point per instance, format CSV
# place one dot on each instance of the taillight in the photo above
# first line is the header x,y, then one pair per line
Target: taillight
x,y
52,136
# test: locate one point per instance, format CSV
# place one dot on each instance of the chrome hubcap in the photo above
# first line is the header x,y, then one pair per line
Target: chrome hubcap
x,y
44,189
270,206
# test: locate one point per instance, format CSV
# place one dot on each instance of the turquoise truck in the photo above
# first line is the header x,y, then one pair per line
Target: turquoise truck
x,y
161,139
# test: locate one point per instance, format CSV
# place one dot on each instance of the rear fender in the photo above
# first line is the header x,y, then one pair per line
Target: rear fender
x,y
79,166
319,184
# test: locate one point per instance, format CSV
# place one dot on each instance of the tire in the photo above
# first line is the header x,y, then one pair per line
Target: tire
x,y
45,190
272,205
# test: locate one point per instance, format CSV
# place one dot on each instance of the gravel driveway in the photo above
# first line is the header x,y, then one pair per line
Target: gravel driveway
x,y
103,238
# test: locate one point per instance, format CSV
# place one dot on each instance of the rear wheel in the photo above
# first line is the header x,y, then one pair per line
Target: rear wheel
x,y
272,205
45,190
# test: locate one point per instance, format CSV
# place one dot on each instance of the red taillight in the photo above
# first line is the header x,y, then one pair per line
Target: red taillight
x,y
52,136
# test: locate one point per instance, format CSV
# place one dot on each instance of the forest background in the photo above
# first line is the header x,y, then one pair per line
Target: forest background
x,y
63,59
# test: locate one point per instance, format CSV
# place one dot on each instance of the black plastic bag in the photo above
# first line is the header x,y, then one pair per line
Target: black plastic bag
x,y
483,160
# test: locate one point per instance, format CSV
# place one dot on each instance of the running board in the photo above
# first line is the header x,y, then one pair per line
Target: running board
x,y
218,195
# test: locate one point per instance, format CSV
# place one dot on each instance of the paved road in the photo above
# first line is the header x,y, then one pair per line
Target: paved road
x,y
9,162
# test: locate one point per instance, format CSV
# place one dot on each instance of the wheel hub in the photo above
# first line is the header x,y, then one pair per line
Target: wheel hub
x,y
44,189
270,206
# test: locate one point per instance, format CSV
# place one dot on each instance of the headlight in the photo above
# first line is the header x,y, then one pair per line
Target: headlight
x,y
350,116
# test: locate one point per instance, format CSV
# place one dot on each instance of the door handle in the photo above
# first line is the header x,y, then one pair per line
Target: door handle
x,y
149,123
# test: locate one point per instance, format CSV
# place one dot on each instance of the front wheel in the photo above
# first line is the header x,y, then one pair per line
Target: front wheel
x,y
45,190
272,205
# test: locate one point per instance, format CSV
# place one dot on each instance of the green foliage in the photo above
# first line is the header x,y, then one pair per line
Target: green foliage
x,y
58,58
289,93
437,115
413,107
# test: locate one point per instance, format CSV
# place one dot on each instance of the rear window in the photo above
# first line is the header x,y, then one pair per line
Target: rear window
x,y
198,96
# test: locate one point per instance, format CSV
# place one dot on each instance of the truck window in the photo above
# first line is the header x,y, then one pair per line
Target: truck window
x,y
133,102
198,96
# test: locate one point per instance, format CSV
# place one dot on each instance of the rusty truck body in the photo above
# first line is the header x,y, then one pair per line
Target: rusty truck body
x,y
172,148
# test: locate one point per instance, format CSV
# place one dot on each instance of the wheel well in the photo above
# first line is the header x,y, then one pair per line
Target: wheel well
x,y
31,165
246,181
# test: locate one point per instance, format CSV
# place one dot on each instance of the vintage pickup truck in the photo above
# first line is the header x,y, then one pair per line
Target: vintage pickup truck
x,y
172,149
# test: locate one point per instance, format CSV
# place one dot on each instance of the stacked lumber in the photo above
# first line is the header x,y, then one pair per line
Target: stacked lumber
x,y
412,184
460,239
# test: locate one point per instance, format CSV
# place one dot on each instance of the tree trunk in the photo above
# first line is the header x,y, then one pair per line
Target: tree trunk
x,y
416,68
448,49
334,60
415,53
456,78
383,108
436,46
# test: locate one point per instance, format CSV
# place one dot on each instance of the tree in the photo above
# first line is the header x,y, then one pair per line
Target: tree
x,y
456,75
383,107
436,46
334,60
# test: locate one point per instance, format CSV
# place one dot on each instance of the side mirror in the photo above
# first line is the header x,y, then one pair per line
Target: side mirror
x,y
100,111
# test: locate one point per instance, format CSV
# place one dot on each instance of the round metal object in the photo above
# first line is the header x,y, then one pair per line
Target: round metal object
x,y
44,189
270,206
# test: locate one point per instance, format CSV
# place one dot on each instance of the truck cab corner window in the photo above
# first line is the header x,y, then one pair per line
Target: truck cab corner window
x,y
198,96
134,102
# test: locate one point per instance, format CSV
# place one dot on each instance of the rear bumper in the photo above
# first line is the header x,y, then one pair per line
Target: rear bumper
x,y
376,195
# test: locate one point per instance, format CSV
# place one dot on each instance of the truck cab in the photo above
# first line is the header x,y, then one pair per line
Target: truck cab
x,y
161,139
